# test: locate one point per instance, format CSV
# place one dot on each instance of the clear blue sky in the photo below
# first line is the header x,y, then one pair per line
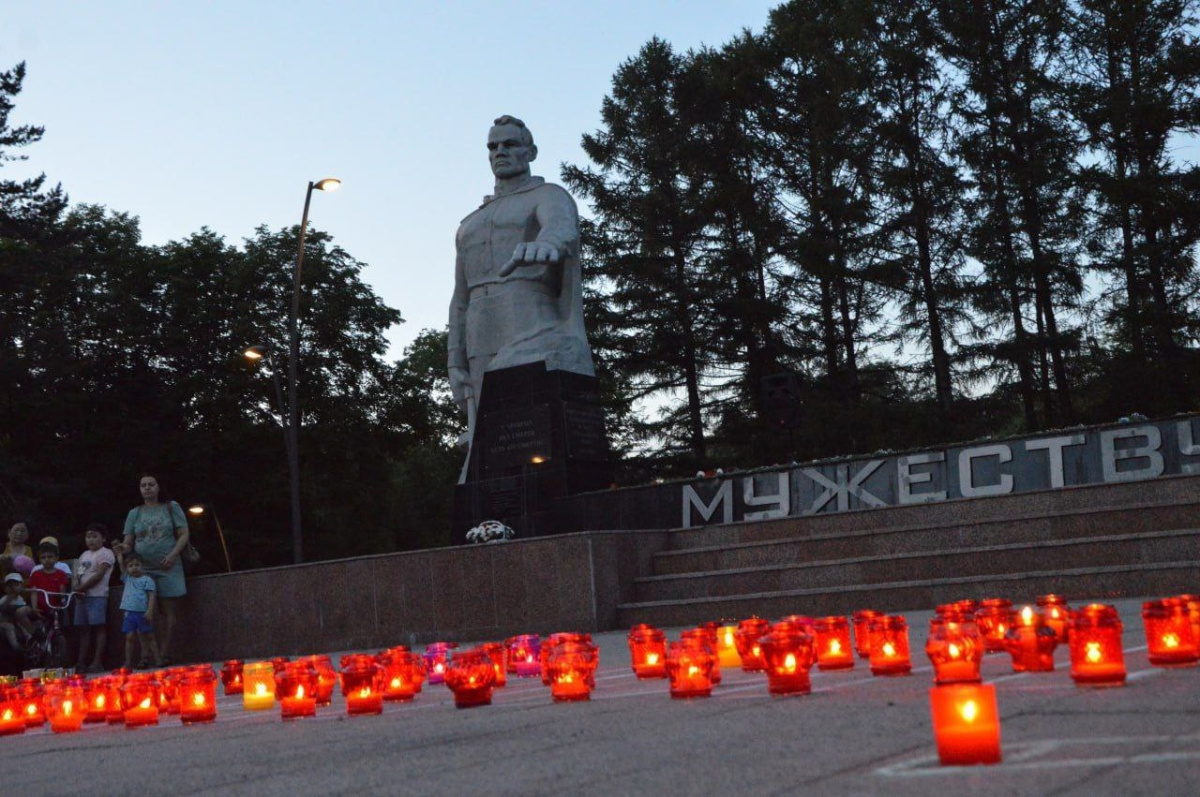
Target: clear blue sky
x,y
192,114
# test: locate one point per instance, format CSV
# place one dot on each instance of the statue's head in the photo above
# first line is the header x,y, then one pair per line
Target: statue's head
x,y
510,147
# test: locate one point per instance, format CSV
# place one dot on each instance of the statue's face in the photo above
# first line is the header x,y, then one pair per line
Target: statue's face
x,y
508,153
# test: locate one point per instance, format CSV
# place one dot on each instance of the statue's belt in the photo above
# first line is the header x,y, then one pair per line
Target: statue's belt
x,y
510,287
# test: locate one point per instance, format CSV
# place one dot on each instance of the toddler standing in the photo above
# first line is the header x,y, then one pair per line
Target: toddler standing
x,y
138,601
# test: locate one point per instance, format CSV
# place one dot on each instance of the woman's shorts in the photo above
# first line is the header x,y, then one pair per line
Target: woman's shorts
x,y
90,609
170,584
136,621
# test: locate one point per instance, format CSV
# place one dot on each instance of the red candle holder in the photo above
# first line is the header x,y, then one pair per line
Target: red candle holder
x,y
689,666
401,674
139,700
1170,638
279,663
967,607
12,721
796,622
993,618
362,684
498,653
198,695
1057,615
705,637
955,649
1192,602
328,678
65,705
548,646
889,646
115,711
96,695
862,620
1097,658
966,724
788,658
471,676
231,676
747,636
28,693
648,651
572,668
832,643
1030,642
524,655
168,689
296,689
436,654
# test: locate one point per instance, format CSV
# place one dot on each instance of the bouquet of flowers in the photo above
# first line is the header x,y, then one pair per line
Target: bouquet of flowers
x,y
490,531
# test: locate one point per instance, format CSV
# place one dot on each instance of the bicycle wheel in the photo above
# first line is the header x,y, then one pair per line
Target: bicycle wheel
x,y
57,650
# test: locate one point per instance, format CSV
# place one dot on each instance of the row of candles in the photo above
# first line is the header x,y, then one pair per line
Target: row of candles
x,y
965,714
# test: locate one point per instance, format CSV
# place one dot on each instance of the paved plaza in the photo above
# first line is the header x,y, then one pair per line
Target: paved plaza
x,y
855,734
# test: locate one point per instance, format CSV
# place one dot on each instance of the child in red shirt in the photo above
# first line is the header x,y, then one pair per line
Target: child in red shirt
x,y
49,578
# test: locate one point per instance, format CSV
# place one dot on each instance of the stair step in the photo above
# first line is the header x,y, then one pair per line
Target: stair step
x,y
1158,493
1077,584
1144,548
901,539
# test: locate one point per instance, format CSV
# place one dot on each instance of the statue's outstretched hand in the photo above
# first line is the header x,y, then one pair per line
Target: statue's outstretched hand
x,y
532,252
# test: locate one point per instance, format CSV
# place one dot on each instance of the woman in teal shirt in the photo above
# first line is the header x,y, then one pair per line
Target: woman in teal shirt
x,y
159,532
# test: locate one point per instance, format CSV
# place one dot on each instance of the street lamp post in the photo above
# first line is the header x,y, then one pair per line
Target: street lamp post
x,y
293,425
200,509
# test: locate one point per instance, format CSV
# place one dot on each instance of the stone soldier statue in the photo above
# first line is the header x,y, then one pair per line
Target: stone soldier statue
x,y
517,282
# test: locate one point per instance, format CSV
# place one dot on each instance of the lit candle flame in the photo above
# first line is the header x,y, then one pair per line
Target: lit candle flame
x,y
835,647
888,649
260,689
729,643
1000,629
198,699
68,707
440,667
693,671
954,651
8,714
652,658
100,701
397,683
31,709
969,711
566,678
1027,615
145,703
1171,640
756,651
789,663
299,692
1093,652
364,692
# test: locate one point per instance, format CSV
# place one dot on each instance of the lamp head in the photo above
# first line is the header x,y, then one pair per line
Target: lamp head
x,y
196,509
255,353
328,184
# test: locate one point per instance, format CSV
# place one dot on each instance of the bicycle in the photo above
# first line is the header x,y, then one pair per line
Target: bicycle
x,y
51,650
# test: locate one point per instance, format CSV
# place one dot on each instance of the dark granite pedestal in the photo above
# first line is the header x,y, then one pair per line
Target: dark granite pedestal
x,y
539,437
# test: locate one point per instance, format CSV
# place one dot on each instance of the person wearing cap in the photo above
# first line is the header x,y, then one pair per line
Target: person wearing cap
x,y
59,564
14,612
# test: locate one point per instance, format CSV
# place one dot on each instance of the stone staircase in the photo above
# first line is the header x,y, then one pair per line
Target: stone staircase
x,y
1089,542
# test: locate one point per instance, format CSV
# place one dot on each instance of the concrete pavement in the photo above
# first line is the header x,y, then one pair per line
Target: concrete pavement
x,y
856,734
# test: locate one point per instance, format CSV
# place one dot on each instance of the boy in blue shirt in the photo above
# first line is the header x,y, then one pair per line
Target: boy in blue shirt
x,y
138,602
